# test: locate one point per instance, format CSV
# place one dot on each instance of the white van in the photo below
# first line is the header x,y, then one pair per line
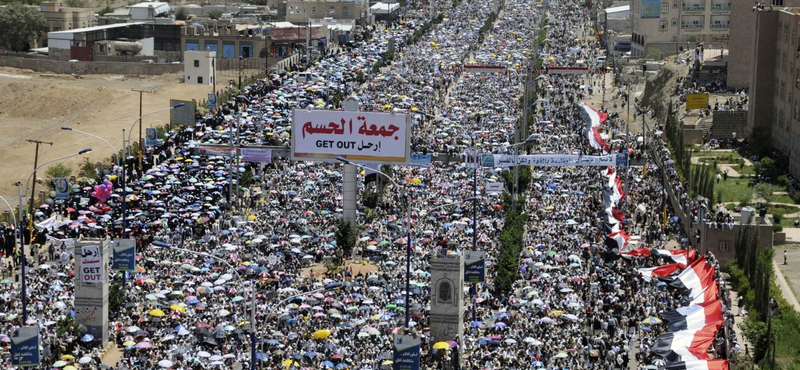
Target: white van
x,y
601,62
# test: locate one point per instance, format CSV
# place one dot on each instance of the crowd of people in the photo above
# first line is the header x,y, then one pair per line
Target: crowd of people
x,y
575,304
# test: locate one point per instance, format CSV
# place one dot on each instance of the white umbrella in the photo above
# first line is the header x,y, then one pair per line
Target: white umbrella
x,y
215,358
203,354
85,360
165,364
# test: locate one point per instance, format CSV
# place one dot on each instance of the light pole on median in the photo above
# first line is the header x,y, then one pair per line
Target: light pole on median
x,y
529,139
408,231
125,141
161,244
113,150
22,234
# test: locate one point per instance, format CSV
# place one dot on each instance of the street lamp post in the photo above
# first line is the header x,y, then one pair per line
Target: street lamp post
x,y
161,244
113,150
240,72
125,141
408,232
21,234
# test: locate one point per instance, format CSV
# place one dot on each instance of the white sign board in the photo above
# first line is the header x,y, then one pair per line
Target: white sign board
x,y
367,137
494,187
91,264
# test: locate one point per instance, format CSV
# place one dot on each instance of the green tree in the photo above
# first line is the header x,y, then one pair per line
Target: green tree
x,y
57,170
345,237
105,11
116,298
214,14
68,325
76,3
21,25
181,14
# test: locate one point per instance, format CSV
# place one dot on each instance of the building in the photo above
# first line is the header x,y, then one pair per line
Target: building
x,y
63,18
229,41
743,25
148,11
775,83
199,67
669,26
302,11
156,41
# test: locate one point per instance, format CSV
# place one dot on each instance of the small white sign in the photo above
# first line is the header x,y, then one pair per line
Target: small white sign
x,y
91,264
494,187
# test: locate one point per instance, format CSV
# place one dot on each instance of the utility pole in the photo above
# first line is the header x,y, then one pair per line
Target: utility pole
x,y
33,186
141,142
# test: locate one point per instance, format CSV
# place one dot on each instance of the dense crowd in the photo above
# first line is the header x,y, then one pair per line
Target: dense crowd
x,y
575,304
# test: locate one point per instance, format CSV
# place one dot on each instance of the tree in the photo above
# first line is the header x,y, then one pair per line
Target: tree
x,y
58,170
214,14
345,237
105,11
76,3
181,14
21,25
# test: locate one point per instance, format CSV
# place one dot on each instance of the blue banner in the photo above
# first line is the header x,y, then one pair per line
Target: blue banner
x,y
420,159
62,188
212,101
474,267
124,255
151,137
406,353
25,347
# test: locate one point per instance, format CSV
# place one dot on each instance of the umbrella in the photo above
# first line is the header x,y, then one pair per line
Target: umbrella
x,y
157,313
165,364
441,345
652,321
85,360
67,357
321,334
59,363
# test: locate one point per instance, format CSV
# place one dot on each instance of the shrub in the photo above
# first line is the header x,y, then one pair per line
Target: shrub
x,y
57,170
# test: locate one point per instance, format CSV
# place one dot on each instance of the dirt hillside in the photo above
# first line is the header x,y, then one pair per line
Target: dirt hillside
x,y
35,106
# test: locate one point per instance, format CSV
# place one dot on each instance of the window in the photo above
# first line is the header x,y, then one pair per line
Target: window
x,y
663,23
313,10
200,79
723,246
783,91
331,11
797,110
777,2
665,7
196,63
345,10
675,4
674,22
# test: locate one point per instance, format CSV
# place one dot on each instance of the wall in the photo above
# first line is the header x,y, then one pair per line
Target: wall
x,y
52,66
728,122
714,239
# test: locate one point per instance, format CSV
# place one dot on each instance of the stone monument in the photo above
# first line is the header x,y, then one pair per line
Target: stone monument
x,y
91,286
447,299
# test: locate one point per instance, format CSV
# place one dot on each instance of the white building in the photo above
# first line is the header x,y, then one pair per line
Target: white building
x,y
144,11
199,67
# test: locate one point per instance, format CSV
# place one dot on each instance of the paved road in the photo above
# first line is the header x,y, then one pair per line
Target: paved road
x,y
788,276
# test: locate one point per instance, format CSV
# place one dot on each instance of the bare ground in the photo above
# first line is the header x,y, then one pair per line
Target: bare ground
x,y
35,106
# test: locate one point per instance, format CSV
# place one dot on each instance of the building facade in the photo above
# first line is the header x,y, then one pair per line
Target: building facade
x,y
302,11
61,18
775,81
667,26
743,26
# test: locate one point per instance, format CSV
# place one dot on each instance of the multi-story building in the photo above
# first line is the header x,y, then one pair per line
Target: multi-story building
x,y
743,26
667,26
775,80
63,18
302,11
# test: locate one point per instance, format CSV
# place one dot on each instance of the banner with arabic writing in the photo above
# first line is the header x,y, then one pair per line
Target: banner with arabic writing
x,y
553,160
367,137
91,264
